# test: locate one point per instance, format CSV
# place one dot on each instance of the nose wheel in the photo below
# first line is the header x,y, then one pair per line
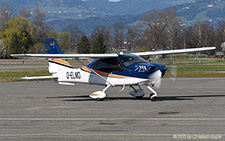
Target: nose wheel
x,y
152,97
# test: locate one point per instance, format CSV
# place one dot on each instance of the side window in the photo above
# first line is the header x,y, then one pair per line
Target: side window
x,y
130,59
107,65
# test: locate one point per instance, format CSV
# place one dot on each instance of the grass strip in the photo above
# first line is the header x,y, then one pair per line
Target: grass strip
x,y
15,75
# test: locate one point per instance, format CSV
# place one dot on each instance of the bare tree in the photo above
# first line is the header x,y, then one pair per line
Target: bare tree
x,y
220,35
105,31
3,49
173,28
5,15
38,17
204,34
24,13
118,37
156,25
75,35
190,37
132,37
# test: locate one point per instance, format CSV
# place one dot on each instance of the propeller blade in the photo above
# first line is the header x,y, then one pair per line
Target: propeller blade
x,y
155,78
172,69
171,66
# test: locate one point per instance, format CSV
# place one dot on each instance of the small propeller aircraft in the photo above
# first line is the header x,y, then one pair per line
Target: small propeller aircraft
x,y
109,70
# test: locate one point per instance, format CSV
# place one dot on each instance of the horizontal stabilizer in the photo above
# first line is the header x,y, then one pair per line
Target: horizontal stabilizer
x,y
39,77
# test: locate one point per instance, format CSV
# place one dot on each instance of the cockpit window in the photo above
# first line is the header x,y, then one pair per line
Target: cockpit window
x,y
130,59
107,65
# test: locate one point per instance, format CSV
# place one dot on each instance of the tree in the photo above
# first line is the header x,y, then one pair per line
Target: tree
x,y
164,29
99,46
24,13
53,34
75,35
18,35
190,37
64,41
3,49
173,28
132,37
199,35
38,48
118,31
105,31
38,17
84,45
220,35
6,14
155,23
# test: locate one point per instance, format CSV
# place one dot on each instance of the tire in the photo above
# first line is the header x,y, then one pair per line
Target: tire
x,y
152,97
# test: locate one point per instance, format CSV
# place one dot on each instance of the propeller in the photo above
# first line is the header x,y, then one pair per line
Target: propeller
x,y
155,78
170,63
172,69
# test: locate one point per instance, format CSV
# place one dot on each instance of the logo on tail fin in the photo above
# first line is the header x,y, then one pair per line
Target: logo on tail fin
x,y
52,46
52,43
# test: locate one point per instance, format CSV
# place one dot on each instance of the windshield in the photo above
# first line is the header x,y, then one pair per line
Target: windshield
x,y
130,59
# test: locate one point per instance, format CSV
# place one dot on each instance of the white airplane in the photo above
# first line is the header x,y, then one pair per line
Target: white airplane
x,y
109,70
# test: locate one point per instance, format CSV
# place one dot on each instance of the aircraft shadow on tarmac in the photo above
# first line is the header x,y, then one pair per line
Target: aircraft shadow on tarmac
x,y
161,98
190,97
87,98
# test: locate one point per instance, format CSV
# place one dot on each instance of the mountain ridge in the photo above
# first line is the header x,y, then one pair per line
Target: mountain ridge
x,y
190,13
100,7
88,13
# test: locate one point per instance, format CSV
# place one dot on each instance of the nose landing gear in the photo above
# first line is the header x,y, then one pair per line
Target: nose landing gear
x,y
153,95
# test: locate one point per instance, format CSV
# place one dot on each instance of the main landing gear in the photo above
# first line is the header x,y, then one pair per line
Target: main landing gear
x,y
137,93
99,95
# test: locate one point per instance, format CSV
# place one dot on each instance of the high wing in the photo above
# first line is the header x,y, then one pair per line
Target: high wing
x,y
95,56
99,56
177,51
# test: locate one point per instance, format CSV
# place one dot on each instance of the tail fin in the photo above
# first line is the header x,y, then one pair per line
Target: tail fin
x,y
55,65
52,47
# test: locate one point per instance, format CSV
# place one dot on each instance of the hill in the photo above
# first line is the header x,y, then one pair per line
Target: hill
x,y
88,13
211,10
79,9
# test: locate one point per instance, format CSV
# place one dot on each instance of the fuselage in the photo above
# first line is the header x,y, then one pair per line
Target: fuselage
x,y
127,69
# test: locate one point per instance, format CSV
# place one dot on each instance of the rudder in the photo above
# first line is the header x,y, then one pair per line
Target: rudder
x,y
52,47
55,65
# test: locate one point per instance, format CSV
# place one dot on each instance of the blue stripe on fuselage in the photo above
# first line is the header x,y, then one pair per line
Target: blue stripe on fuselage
x,y
139,70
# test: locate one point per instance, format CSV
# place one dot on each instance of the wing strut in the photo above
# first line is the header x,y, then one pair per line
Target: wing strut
x,y
111,84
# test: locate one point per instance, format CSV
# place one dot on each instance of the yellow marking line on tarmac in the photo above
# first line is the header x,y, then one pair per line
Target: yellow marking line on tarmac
x,y
150,135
